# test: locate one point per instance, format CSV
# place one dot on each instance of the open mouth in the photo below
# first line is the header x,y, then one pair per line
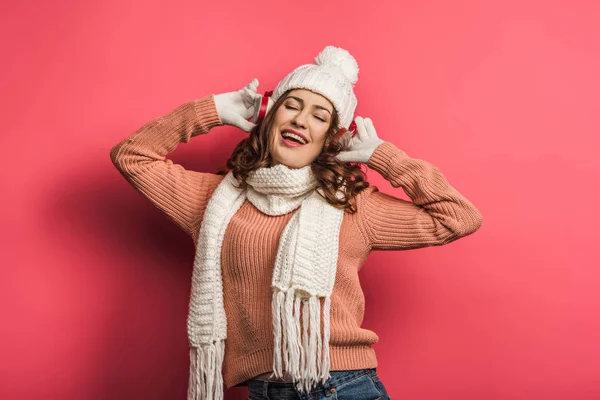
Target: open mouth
x,y
293,140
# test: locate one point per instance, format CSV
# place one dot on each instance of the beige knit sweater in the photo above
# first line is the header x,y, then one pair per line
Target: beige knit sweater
x,y
437,215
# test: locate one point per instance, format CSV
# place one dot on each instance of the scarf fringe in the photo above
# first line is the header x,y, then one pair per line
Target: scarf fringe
x,y
206,380
301,349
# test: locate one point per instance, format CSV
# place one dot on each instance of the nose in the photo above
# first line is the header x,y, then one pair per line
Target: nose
x,y
300,120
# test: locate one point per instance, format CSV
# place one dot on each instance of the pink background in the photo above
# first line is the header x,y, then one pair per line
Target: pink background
x,y
501,96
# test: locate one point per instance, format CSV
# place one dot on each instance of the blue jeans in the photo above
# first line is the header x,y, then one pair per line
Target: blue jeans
x,y
361,384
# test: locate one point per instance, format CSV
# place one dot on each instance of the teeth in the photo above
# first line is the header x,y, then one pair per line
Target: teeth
x,y
293,136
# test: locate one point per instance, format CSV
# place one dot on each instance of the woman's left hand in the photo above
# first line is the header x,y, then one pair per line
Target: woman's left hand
x,y
360,147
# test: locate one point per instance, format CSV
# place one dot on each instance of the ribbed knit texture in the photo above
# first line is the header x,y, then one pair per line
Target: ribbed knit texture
x,y
437,215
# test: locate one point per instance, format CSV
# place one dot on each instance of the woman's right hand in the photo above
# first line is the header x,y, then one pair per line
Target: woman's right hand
x,y
236,108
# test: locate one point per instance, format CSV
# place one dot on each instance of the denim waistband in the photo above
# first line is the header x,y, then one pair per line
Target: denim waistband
x,y
336,378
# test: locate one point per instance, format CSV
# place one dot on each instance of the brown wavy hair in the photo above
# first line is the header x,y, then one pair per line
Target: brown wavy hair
x,y
253,153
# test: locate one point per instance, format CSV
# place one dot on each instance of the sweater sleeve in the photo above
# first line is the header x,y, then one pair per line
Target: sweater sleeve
x,y
141,158
437,215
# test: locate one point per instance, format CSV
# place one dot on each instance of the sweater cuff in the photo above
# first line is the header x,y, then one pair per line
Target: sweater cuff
x,y
382,156
207,114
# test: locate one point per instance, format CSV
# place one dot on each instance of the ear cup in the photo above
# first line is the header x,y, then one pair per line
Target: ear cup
x,y
262,106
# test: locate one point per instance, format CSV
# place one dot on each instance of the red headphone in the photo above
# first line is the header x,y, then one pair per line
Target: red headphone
x,y
342,131
264,102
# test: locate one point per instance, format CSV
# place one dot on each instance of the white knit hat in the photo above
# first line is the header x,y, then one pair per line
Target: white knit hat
x,y
333,76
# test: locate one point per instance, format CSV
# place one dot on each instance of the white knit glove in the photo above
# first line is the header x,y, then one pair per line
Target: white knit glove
x,y
235,108
360,147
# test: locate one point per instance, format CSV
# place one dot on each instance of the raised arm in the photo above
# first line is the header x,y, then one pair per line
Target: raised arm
x,y
141,158
437,215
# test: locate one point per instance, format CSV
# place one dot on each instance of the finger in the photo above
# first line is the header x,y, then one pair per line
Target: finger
x,y
256,103
243,124
249,94
370,128
248,97
345,140
345,156
353,143
250,88
253,85
361,129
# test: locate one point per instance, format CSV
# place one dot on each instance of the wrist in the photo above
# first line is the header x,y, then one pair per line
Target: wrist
x,y
381,155
207,112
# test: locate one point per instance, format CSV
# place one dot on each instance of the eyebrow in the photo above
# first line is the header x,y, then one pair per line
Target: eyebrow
x,y
302,102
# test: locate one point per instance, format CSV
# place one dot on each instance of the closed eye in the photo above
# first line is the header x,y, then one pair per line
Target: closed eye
x,y
289,107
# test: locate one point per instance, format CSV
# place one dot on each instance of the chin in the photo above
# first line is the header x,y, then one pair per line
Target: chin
x,y
290,164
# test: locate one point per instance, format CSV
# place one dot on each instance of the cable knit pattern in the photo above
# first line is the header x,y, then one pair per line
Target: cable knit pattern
x,y
437,215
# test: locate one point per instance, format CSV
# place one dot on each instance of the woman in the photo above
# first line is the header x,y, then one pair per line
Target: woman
x,y
281,237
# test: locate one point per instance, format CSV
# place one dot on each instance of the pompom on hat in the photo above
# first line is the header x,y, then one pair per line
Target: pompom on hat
x,y
333,76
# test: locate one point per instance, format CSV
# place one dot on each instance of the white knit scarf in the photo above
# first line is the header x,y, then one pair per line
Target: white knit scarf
x,y
303,278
